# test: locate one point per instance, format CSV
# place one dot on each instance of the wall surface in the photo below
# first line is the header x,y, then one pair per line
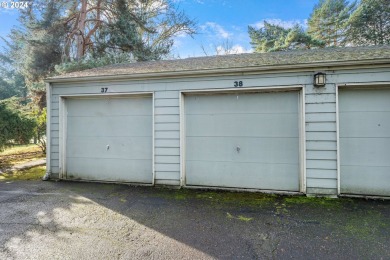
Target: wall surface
x,y
320,117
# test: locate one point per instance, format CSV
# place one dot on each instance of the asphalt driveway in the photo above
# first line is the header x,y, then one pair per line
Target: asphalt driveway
x,y
70,220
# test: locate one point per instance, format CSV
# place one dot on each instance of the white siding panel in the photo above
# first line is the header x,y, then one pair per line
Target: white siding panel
x,y
167,143
321,145
321,136
321,164
167,159
323,155
167,151
321,107
161,167
321,174
321,126
167,126
321,117
166,111
169,102
166,118
167,135
166,94
321,183
168,175
320,98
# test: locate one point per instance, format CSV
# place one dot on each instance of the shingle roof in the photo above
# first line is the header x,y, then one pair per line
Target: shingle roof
x,y
273,59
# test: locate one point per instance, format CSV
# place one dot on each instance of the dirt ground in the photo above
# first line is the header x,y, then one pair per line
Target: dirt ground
x,y
70,220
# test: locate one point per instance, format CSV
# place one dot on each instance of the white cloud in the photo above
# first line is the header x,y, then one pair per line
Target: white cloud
x,y
284,23
236,49
216,29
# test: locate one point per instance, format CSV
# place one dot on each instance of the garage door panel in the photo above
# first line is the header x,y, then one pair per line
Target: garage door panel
x,y
365,141
266,150
365,151
370,180
109,139
124,126
119,147
113,106
242,125
110,170
243,175
370,124
272,103
243,140
356,100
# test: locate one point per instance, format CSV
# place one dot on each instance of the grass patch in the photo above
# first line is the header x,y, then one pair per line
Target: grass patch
x,y
21,149
312,201
35,173
19,154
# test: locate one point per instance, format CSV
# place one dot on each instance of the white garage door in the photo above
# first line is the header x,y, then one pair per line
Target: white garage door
x,y
243,140
109,139
364,118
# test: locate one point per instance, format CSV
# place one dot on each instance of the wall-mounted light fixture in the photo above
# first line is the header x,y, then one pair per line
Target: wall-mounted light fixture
x,y
319,79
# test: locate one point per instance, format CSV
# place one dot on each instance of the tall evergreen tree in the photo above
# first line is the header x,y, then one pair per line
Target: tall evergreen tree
x,y
328,21
369,24
273,37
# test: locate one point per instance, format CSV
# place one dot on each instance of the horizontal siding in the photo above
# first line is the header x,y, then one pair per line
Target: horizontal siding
x,y
168,175
321,145
322,183
321,137
167,126
321,191
321,164
167,137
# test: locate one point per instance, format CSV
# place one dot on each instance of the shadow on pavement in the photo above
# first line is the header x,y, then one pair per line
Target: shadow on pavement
x,y
90,220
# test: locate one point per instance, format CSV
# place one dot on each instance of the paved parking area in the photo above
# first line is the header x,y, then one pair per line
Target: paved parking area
x,y
70,220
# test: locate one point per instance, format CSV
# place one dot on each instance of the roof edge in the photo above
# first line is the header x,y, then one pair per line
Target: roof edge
x,y
224,71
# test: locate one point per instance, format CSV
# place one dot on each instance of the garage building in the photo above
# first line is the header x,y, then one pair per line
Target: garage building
x,y
262,122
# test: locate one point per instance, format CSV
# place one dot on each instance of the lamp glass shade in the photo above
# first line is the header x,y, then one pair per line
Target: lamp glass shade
x,y
319,79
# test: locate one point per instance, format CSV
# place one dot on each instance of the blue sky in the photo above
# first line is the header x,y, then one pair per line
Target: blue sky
x,y
219,22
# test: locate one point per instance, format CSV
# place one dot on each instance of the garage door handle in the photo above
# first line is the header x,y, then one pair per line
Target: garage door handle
x,y
108,147
238,149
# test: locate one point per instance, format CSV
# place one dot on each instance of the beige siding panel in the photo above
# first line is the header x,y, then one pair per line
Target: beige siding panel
x,y
167,135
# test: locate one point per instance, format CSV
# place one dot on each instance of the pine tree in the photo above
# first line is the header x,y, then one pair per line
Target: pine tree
x,y
328,20
369,24
276,38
